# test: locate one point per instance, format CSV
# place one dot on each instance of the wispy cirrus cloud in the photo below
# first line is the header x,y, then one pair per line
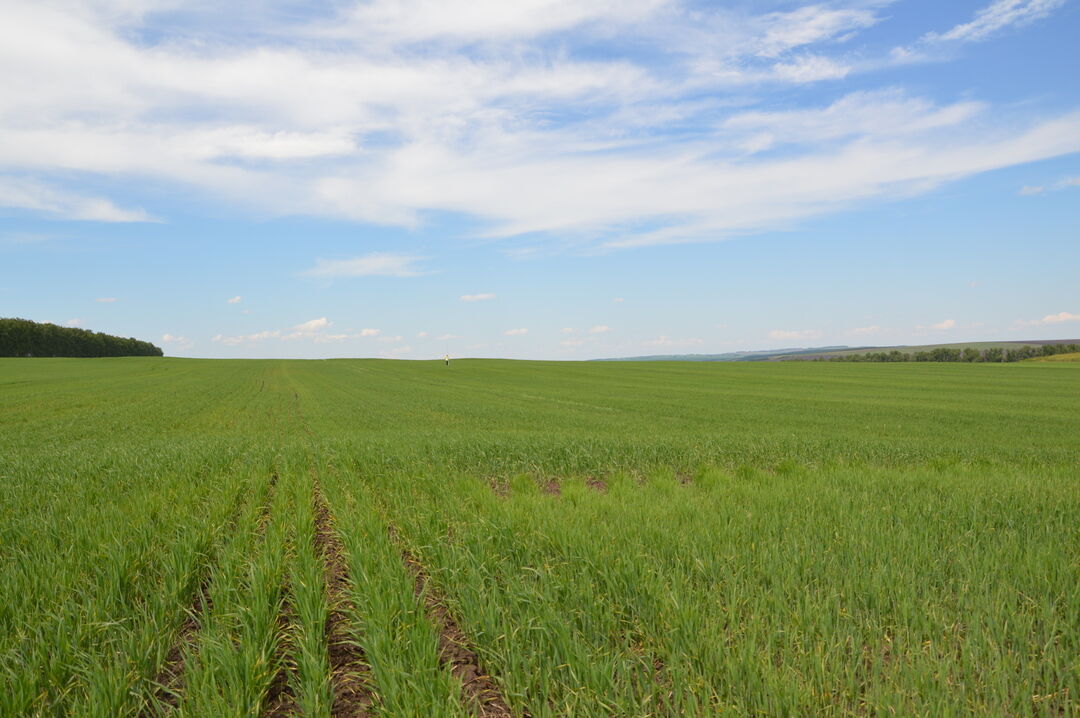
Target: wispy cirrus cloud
x,y
477,297
508,117
995,17
39,197
377,264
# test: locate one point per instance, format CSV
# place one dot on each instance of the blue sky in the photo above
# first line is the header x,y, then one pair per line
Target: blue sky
x,y
540,178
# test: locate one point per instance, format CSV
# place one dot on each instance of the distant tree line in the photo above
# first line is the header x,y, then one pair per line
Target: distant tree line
x,y
24,338
966,354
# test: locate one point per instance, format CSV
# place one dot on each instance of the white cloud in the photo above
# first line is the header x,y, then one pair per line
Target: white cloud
x,y
880,113
38,197
466,21
618,300
421,335
180,342
73,323
865,331
394,111
253,143
666,341
105,300
313,325
809,25
996,16
400,350
516,332
368,333
1028,190
1058,318
795,334
447,337
388,340
1071,182
811,68
234,300
248,338
571,342
476,297
600,329
384,264
947,324
568,330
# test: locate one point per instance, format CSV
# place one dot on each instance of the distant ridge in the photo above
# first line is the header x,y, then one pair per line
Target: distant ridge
x,y
826,352
762,355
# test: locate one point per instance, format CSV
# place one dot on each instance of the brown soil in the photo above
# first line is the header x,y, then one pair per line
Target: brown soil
x,y
479,692
170,679
264,513
551,486
280,700
350,676
596,484
684,478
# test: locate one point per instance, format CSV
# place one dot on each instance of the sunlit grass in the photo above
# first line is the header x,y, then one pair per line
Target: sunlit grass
x,y
762,538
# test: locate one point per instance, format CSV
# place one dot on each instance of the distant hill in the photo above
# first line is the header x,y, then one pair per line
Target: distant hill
x,y
762,355
25,338
828,352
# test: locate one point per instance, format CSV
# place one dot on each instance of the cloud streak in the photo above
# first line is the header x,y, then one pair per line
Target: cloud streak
x,y
378,264
344,117
995,17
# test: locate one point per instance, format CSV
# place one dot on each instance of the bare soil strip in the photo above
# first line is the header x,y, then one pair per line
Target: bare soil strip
x,y
596,484
551,486
479,692
350,676
170,679
279,700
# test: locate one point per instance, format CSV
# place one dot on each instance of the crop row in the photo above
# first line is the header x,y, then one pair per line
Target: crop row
x,y
361,538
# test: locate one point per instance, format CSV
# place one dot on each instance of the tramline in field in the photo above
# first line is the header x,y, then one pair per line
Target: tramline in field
x,y
345,537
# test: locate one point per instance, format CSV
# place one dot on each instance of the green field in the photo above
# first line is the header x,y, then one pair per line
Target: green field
x,y
1073,357
355,537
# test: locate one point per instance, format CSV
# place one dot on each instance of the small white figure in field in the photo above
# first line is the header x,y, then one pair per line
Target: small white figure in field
x,y
446,358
